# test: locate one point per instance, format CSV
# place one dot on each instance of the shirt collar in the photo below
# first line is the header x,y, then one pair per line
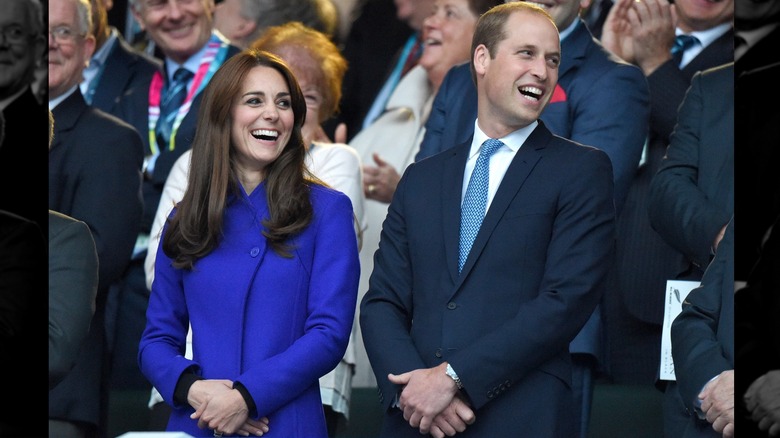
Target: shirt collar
x,y
514,140
706,37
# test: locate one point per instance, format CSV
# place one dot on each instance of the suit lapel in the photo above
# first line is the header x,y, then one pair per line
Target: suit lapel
x,y
453,175
524,162
66,114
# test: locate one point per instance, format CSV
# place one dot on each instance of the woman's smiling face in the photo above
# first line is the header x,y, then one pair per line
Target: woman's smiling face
x,y
263,119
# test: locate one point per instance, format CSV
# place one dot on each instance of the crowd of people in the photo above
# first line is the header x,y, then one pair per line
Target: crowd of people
x,y
473,206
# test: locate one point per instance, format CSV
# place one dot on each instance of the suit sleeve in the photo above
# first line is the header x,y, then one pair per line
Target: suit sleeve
x,y
387,306
601,120
678,208
697,352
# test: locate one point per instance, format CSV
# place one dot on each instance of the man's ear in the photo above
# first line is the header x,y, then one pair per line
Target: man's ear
x,y
137,15
481,59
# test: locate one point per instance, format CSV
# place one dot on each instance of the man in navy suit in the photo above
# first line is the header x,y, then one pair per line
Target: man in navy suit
x,y
94,176
471,349
703,348
599,101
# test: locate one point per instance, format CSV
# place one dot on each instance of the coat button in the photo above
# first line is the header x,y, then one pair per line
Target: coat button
x,y
438,352
451,306
254,252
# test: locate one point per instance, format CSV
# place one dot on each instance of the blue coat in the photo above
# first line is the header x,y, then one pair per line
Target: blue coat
x,y
535,273
274,324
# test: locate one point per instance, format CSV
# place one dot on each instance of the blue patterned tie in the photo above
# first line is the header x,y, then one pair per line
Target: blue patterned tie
x,y
172,99
475,201
681,44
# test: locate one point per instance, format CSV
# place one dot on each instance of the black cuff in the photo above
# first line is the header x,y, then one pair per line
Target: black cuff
x,y
183,387
250,402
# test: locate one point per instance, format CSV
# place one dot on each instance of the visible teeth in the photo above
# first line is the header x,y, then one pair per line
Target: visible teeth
x,y
430,41
531,92
265,133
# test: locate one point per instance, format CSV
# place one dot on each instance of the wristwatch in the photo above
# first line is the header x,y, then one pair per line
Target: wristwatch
x,y
454,376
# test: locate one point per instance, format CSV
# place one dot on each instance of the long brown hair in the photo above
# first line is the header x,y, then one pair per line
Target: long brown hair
x,y
196,227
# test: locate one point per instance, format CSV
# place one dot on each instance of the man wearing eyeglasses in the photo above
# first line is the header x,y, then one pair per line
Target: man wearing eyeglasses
x,y
94,176
22,46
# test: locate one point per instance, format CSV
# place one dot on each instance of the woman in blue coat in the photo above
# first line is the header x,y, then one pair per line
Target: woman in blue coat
x,y
260,258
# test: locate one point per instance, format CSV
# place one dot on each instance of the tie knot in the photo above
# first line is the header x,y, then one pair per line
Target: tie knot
x,y
683,43
181,75
489,147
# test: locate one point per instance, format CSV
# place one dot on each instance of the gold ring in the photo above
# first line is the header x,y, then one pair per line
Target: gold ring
x,y
371,189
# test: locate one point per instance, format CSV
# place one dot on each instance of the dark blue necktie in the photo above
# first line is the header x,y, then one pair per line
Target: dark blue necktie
x,y
475,201
681,44
172,99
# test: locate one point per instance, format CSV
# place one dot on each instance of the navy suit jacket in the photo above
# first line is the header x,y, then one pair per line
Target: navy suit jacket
x,y
601,101
692,196
125,69
135,110
94,176
536,271
703,333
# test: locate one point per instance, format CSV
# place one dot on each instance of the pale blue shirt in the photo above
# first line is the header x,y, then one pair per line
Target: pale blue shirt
x,y
499,162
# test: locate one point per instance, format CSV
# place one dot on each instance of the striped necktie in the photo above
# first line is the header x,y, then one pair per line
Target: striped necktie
x,y
173,97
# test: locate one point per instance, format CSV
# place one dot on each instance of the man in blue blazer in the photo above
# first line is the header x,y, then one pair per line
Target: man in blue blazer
x,y
599,101
703,348
471,349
